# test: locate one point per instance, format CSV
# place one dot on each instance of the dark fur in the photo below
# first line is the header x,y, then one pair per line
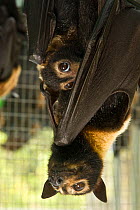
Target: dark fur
x,y
79,153
78,160
112,114
75,20
89,164
82,14
12,33
79,13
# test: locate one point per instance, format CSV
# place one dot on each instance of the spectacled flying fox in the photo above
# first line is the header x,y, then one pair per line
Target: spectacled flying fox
x,y
76,168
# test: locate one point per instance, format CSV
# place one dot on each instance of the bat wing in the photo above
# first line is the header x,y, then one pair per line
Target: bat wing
x,y
12,32
41,25
7,37
111,64
50,98
136,3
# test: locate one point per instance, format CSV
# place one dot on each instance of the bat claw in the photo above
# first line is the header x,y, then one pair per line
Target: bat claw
x,y
61,142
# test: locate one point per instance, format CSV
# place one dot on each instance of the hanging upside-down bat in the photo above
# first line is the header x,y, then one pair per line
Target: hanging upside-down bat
x,y
88,56
13,124
12,32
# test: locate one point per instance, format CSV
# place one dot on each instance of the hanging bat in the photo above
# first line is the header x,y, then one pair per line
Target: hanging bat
x,y
89,80
77,168
17,137
12,32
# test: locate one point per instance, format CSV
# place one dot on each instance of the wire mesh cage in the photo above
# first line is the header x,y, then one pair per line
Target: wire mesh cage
x,y
26,137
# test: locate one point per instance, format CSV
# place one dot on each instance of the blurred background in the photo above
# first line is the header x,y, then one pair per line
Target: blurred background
x,y
26,137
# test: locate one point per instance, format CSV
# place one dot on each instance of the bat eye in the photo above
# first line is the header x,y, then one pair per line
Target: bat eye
x,y
79,186
64,67
69,86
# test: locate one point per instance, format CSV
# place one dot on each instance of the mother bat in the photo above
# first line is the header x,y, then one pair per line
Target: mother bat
x,y
89,63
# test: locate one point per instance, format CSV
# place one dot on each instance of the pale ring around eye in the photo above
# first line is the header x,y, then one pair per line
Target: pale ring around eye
x,y
79,186
64,67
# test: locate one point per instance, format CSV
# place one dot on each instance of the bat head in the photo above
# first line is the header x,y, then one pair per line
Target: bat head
x,y
74,171
61,65
59,71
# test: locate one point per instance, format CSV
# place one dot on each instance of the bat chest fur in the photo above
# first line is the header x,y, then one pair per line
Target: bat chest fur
x,y
111,120
100,140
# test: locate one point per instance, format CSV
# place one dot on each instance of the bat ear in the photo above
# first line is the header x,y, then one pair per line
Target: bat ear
x,y
48,190
100,191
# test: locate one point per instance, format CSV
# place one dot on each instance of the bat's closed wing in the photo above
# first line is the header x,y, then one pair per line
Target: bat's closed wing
x,y
111,62
41,26
12,32
117,69
41,22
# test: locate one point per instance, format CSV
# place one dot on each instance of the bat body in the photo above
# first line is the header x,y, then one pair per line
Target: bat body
x,y
12,32
77,168
66,50
27,91
67,173
89,80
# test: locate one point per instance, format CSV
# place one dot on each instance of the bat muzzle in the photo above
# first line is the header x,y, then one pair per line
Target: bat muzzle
x,y
55,181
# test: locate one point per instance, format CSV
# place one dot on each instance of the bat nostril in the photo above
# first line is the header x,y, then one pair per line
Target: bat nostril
x,y
55,181
59,180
